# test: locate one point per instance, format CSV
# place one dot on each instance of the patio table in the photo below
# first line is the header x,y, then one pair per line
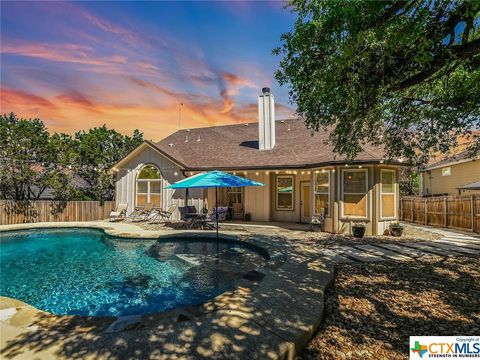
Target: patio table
x,y
199,218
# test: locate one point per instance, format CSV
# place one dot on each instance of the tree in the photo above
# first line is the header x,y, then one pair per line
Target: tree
x,y
403,74
32,160
99,149
25,157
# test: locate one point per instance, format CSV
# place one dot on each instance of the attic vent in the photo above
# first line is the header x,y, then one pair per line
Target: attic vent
x,y
188,130
245,124
198,138
282,121
171,144
186,138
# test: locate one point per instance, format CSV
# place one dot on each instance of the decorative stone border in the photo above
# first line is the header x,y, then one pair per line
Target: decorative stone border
x,y
271,315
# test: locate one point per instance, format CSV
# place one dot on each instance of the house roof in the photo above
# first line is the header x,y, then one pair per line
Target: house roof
x,y
451,160
471,186
236,147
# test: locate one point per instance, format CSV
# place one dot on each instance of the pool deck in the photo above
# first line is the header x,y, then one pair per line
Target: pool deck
x,y
271,314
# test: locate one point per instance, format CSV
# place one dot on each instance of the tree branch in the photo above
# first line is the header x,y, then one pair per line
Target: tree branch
x,y
457,52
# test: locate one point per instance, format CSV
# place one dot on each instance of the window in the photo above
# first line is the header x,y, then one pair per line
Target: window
x,y
149,186
355,188
322,192
387,193
447,171
234,195
284,192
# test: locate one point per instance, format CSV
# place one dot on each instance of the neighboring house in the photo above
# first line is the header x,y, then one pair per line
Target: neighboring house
x,y
301,174
457,175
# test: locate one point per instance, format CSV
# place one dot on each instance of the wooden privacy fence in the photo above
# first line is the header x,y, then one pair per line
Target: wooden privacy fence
x,y
456,212
17,212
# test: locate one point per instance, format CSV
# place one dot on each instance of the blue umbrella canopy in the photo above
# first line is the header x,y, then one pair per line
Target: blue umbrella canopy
x,y
213,179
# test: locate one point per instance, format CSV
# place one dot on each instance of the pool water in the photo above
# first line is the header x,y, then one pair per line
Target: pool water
x,y
86,272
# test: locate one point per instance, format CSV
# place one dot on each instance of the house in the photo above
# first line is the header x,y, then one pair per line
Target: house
x,y
456,175
301,173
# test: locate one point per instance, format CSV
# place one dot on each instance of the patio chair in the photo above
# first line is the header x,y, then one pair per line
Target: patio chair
x,y
185,215
221,211
136,211
162,214
143,214
119,213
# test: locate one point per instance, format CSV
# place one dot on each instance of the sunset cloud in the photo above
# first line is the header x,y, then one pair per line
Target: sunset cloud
x,y
76,65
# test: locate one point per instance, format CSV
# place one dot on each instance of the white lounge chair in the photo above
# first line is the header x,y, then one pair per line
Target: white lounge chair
x,y
119,213
162,214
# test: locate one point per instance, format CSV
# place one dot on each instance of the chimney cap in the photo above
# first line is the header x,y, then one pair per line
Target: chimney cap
x,y
266,90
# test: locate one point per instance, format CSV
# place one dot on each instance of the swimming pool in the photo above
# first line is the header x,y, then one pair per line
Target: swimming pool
x,y
87,272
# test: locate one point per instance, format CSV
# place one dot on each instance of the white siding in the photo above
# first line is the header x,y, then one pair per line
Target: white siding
x,y
127,175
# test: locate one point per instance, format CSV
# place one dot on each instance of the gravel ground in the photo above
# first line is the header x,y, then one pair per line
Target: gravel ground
x,y
323,239
372,309
410,234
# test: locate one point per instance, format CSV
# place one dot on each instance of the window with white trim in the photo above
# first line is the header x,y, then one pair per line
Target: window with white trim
x,y
284,191
355,189
322,191
149,186
387,193
447,171
234,195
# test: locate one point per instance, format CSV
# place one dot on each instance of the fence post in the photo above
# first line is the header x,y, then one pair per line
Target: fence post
x,y
445,212
472,202
401,209
426,211
411,210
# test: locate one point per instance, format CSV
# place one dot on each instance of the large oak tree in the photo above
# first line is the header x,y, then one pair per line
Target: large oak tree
x,y
405,74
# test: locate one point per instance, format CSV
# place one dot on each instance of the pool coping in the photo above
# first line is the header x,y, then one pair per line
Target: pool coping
x,y
269,318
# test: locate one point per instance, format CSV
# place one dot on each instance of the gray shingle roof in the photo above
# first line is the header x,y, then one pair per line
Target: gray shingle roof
x,y
236,147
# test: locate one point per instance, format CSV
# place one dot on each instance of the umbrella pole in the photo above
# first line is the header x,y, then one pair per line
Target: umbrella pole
x,y
216,213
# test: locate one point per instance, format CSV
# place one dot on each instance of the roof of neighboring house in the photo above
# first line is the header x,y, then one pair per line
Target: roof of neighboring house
x,y
451,160
471,186
236,147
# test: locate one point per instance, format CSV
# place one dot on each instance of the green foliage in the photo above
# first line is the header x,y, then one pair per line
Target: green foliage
x,y
149,172
404,74
409,181
98,150
73,168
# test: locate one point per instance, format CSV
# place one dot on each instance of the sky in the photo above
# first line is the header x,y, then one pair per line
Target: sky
x,y
78,65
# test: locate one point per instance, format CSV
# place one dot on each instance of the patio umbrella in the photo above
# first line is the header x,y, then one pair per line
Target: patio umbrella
x,y
213,179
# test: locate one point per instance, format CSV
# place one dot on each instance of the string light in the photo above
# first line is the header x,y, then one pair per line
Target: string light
x,y
359,166
257,173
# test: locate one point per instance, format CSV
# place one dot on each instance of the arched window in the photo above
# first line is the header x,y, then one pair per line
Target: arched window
x,y
149,186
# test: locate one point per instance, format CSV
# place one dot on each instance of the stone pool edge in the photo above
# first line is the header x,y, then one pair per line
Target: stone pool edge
x,y
275,317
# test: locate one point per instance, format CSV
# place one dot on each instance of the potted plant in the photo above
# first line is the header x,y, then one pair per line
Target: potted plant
x,y
358,230
396,229
316,224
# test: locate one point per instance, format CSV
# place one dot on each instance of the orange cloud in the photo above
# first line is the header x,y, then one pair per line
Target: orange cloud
x,y
73,111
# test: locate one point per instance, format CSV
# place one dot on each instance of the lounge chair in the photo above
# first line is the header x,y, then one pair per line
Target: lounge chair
x,y
119,213
162,215
143,214
137,211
